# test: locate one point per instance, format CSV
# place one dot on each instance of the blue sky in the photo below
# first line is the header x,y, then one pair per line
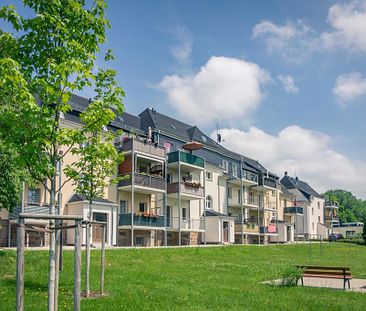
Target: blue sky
x,y
285,79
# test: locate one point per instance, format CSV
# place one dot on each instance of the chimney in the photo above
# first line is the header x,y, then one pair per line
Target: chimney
x,y
285,173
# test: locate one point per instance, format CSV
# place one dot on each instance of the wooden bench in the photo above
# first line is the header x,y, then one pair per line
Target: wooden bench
x,y
327,272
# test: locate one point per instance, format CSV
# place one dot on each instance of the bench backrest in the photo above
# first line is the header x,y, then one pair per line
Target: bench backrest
x,y
325,270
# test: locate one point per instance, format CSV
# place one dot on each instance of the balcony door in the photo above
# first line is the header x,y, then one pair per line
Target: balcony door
x,y
98,230
168,216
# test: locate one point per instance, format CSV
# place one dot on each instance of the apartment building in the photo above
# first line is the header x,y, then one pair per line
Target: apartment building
x,y
309,205
180,187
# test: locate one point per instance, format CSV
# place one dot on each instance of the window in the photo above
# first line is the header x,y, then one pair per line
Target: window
x,y
122,207
319,219
209,202
184,213
230,193
143,169
142,207
209,176
312,211
239,196
273,193
169,178
225,165
234,169
34,195
251,197
318,205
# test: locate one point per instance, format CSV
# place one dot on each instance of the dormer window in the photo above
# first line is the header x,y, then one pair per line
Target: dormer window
x,y
225,166
234,170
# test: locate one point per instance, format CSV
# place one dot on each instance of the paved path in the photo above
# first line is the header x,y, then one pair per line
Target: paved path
x,y
357,285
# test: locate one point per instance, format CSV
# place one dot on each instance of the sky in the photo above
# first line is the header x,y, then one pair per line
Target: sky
x,y
284,80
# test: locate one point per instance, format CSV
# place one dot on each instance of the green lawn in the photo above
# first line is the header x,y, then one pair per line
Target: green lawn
x,y
215,278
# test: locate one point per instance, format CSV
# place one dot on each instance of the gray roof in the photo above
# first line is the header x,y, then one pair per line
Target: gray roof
x,y
186,132
292,182
80,198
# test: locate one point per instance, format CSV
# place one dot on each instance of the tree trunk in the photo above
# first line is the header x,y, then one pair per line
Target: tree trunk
x,y
87,256
52,251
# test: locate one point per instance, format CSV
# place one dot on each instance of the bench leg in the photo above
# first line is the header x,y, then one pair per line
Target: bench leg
x,y
349,284
302,281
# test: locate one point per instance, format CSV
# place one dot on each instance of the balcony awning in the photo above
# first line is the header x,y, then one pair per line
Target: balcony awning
x,y
149,158
192,145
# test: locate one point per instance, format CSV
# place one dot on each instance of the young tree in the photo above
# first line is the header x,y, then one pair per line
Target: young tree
x,y
48,56
98,158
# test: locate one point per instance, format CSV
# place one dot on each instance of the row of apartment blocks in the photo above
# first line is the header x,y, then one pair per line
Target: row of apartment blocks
x,y
180,187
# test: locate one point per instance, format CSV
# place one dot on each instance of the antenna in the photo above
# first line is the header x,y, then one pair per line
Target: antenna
x,y
218,135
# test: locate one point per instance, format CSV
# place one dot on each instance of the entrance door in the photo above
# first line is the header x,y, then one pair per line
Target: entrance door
x,y
288,233
98,230
225,227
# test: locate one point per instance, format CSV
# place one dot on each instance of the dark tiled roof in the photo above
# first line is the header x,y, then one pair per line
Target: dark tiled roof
x,y
291,183
186,132
80,198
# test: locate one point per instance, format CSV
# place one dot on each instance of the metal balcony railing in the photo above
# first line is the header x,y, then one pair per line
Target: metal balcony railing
x,y
185,223
185,157
143,180
144,147
294,210
188,188
141,220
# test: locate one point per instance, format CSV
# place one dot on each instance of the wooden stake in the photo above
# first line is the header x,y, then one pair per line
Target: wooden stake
x,y
57,259
77,267
87,260
102,261
20,265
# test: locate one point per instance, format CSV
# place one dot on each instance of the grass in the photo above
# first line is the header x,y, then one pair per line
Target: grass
x,y
215,278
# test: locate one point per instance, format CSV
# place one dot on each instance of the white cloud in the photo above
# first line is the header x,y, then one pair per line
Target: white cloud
x,y
288,83
225,88
292,40
295,40
349,86
183,49
306,152
348,21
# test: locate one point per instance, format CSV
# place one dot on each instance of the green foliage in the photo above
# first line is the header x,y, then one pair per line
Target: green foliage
x,y
10,179
290,276
350,208
47,57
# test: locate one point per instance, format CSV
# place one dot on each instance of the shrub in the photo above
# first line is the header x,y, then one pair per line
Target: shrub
x,y
290,276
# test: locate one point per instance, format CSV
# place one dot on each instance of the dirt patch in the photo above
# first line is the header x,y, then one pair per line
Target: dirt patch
x,y
93,295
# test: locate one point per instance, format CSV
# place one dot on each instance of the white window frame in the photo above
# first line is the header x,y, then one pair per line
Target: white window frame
x,y
234,172
209,202
209,176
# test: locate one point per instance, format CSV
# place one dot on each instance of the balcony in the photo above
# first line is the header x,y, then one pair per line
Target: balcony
x,y
247,226
186,158
141,220
268,182
331,218
251,201
294,210
154,183
250,177
188,190
270,229
186,224
330,204
144,147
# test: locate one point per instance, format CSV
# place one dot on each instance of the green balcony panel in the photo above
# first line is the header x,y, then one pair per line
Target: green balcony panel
x,y
186,158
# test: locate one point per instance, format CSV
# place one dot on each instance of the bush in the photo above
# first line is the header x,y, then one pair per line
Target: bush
x,y
290,276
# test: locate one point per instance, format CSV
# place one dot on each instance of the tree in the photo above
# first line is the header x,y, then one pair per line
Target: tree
x,y
11,178
98,158
48,56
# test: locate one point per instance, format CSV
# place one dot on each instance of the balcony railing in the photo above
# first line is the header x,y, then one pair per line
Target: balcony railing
x,y
249,176
140,220
268,229
186,158
294,210
251,201
189,188
330,218
143,180
185,223
145,147
268,182
330,204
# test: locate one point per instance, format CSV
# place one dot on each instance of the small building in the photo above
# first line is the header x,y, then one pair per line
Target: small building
x,y
349,229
